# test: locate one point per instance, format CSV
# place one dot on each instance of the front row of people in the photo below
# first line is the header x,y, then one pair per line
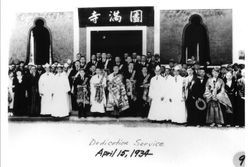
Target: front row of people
x,y
169,97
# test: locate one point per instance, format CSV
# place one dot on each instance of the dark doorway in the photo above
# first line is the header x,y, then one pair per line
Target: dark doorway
x,y
116,42
41,44
195,44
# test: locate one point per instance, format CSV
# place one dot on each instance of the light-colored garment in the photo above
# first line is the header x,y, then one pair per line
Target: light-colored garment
x,y
178,113
95,105
11,93
157,110
117,93
45,85
69,98
60,102
167,90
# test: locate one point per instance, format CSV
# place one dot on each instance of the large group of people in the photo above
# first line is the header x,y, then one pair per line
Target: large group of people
x,y
130,85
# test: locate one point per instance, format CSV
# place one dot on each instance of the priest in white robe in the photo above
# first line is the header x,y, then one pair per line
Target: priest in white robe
x,y
177,94
61,89
45,86
167,90
97,93
157,109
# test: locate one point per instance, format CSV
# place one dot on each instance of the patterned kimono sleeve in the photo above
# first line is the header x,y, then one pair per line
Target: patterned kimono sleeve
x,y
208,94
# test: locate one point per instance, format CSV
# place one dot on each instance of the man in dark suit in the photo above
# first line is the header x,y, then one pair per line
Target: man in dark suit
x,y
199,89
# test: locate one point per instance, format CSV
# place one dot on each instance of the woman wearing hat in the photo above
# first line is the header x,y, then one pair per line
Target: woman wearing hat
x,y
215,96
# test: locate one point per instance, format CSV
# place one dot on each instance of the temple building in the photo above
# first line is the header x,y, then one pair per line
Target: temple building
x,y
203,35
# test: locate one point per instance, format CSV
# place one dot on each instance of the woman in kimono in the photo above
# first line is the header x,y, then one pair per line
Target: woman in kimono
x,y
178,112
215,96
20,94
61,89
117,97
156,94
81,92
97,92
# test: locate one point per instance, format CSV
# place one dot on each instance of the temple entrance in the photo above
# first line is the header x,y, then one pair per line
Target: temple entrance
x,y
116,40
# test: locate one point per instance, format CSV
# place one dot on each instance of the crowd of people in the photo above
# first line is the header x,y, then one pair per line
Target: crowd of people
x,y
130,85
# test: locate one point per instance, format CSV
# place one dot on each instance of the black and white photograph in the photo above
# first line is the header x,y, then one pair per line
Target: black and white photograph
x,y
108,83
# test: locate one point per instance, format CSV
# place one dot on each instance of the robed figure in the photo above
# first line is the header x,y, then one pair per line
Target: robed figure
x,y
117,97
39,49
97,92
45,85
157,109
178,112
216,98
61,89
81,92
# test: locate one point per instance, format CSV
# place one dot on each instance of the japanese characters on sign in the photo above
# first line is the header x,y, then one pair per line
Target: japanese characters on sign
x,y
115,16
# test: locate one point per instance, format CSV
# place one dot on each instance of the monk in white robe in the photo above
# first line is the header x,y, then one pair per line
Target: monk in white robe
x,y
157,110
45,85
97,93
60,91
167,89
177,93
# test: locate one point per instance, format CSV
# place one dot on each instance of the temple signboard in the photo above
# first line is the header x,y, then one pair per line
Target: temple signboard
x,y
116,16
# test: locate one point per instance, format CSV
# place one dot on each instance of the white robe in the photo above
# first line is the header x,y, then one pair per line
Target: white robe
x,y
60,102
11,93
167,90
178,112
95,106
69,95
157,110
45,85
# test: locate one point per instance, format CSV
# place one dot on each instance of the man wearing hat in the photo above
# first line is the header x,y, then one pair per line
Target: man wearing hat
x,y
177,95
45,90
157,110
60,104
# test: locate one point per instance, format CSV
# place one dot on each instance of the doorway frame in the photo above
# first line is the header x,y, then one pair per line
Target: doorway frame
x,y
115,28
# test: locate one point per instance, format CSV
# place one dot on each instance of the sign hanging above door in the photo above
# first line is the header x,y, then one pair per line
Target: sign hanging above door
x,y
116,16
